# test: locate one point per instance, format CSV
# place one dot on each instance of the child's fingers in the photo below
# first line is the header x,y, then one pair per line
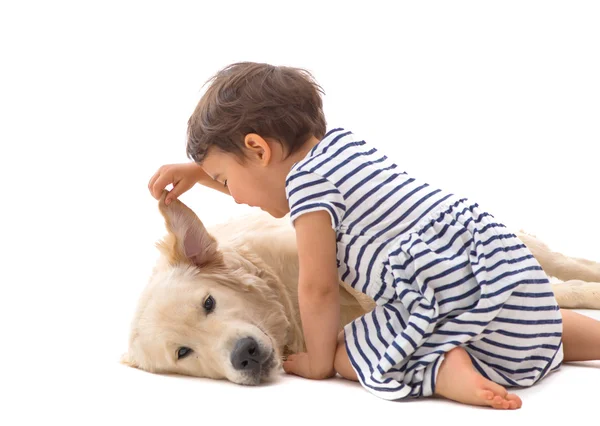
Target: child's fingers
x,y
288,367
178,189
172,195
161,183
152,181
155,185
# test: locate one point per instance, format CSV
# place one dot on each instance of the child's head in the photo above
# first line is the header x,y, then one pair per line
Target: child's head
x,y
281,104
251,125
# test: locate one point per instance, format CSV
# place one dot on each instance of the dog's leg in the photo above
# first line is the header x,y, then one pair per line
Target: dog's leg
x,y
558,265
577,294
570,268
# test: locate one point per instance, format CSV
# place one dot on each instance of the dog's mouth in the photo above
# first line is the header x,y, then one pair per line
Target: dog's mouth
x,y
267,367
260,373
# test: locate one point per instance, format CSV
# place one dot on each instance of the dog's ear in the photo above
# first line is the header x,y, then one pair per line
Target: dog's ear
x,y
127,360
188,240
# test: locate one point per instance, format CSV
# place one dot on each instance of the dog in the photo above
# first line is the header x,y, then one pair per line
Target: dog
x,y
224,305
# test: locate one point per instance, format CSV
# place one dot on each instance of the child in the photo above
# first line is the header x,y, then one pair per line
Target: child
x,y
462,307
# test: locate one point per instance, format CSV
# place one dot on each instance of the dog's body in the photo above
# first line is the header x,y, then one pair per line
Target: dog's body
x,y
231,310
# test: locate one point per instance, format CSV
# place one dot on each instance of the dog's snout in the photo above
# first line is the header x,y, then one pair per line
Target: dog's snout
x,y
246,355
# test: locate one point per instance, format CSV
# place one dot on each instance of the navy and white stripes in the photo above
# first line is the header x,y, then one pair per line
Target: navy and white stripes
x,y
442,272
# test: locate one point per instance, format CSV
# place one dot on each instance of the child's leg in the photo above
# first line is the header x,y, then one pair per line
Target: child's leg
x,y
341,363
459,381
581,337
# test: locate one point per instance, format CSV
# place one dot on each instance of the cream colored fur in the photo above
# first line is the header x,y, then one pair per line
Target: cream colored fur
x,y
250,267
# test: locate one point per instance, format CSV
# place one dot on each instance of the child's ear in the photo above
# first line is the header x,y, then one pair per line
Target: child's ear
x,y
258,148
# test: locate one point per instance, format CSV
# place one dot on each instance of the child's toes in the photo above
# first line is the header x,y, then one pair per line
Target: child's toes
x,y
500,403
514,401
486,395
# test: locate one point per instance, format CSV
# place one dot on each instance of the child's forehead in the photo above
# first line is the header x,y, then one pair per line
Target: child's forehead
x,y
213,159
217,159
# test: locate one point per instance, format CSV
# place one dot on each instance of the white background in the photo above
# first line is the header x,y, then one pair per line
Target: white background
x,y
498,101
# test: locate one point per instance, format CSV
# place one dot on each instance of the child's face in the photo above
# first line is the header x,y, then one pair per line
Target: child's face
x,y
259,182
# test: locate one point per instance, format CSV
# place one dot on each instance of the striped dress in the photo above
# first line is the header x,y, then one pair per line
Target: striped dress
x,y
442,272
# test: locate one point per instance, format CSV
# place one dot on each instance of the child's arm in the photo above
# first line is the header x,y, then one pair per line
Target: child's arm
x,y
318,294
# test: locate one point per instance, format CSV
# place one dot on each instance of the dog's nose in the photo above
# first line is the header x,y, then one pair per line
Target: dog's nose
x,y
246,355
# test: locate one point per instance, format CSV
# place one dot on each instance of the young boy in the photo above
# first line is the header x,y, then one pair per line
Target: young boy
x,y
463,309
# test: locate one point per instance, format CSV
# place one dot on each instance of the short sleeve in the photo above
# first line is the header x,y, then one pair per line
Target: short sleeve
x,y
308,192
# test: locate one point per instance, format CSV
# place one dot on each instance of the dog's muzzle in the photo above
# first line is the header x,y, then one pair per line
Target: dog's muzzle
x,y
248,358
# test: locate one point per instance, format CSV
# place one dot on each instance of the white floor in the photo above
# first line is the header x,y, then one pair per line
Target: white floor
x,y
86,385
494,100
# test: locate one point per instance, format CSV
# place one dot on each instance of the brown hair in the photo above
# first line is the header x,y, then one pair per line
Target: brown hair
x,y
275,102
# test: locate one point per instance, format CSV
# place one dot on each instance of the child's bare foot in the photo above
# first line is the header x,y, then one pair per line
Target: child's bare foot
x,y
459,381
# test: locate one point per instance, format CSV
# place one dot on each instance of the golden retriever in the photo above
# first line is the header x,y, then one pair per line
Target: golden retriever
x,y
223,304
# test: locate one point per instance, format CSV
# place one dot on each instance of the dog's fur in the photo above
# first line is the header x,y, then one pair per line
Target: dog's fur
x,y
250,268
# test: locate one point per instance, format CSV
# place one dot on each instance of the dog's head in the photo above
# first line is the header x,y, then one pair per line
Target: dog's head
x,y
207,311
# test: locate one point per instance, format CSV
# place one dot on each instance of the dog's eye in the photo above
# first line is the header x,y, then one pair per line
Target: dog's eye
x,y
182,352
209,304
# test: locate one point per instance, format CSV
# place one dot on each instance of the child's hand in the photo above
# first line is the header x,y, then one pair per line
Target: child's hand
x,y
182,176
299,364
